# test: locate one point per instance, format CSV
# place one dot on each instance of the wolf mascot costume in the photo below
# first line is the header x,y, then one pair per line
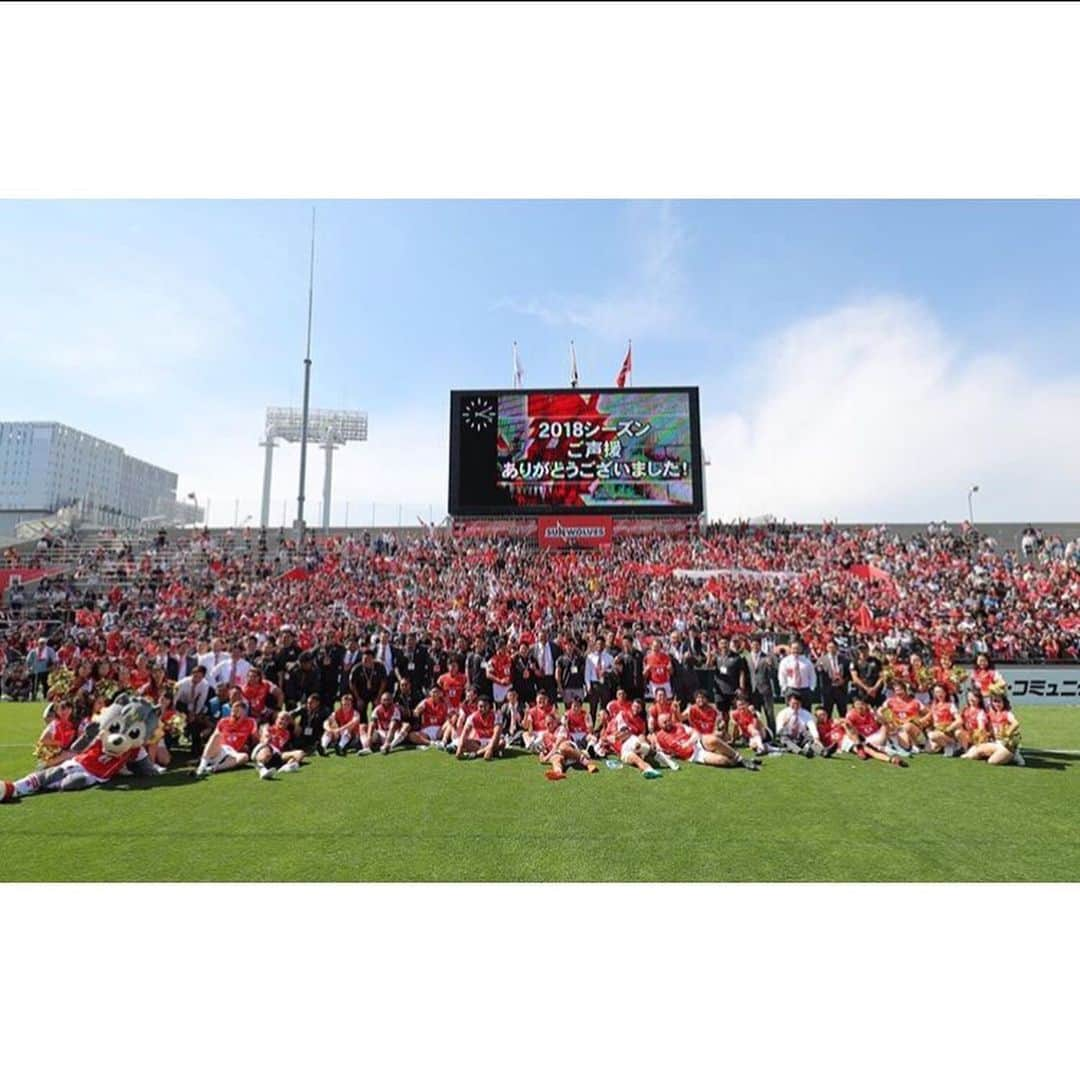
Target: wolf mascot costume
x,y
112,740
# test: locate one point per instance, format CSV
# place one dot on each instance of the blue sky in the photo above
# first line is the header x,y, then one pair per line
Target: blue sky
x,y
167,327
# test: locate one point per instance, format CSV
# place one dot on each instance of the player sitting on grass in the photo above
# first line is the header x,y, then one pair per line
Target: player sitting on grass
x,y
831,733
578,726
675,740
387,729
947,723
227,747
868,734
743,723
481,734
625,736
272,754
432,714
342,727
558,750
1004,745
539,720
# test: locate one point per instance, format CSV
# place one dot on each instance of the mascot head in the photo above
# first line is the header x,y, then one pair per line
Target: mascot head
x,y
126,724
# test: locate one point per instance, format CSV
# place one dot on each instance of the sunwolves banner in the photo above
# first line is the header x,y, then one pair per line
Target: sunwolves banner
x,y
574,532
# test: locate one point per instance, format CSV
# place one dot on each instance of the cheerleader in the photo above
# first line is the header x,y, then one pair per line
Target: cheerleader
x,y
54,744
1003,747
984,676
974,727
945,724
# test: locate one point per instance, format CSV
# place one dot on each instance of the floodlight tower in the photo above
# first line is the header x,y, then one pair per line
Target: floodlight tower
x,y
332,428
268,468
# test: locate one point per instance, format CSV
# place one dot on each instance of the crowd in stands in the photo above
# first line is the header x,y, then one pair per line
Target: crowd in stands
x,y
306,612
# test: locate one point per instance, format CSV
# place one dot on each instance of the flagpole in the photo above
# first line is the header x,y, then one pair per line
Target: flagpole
x,y
573,366
630,354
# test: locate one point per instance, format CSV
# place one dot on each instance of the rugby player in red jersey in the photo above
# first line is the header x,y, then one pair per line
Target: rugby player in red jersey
x,y
342,727
626,737
868,734
480,734
452,684
743,722
831,733
678,741
262,696
227,747
433,714
558,750
273,755
498,671
387,729
539,719
657,668
662,703
579,727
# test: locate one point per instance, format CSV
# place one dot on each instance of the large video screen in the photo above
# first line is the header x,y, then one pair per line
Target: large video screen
x,y
521,452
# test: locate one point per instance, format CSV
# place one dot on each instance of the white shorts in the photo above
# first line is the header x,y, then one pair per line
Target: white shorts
x,y
72,768
878,739
580,737
431,733
653,687
224,754
847,744
636,744
498,693
698,756
483,743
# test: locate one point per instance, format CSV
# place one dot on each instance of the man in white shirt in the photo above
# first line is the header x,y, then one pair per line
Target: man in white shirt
x,y
796,728
191,698
231,670
796,672
598,663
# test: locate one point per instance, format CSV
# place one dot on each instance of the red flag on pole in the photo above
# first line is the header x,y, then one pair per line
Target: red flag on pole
x,y
627,367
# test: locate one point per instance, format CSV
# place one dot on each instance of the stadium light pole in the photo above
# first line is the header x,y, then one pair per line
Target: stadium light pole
x,y
307,388
971,512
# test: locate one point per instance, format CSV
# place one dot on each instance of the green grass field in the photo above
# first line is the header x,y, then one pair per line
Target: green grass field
x,y
423,817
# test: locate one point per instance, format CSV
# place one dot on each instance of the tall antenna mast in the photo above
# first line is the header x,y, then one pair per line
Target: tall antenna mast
x,y
307,387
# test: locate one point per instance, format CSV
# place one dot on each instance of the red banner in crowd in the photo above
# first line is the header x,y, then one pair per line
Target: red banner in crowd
x,y
568,531
25,575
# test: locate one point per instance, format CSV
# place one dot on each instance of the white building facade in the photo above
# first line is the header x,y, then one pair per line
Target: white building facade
x,y
46,466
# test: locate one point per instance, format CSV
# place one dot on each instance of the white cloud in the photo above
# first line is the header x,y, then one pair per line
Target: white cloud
x,y
871,413
651,297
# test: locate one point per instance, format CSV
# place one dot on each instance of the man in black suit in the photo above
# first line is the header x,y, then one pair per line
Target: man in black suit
x,y
631,670
180,660
834,677
523,675
412,661
762,670
546,653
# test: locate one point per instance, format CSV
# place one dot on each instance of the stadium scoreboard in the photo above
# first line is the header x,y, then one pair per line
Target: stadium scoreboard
x,y
518,453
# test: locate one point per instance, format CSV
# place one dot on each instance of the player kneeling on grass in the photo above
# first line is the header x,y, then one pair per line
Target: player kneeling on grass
x,y
272,754
675,740
831,733
481,734
227,747
942,738
868,734
1004,745
342,727
387,729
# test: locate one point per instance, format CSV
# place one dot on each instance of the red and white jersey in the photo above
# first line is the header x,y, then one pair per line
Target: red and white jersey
x,y
985,679
634,723
345,715
483,725
60,732
830,731
658,668
745,719
537,719
905,709
278,736
433,713
864,721
453,688
615,708
384,717
499,666
703,718
943,713
576,721
236,733
103,766
679,741
255,694
1001,720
